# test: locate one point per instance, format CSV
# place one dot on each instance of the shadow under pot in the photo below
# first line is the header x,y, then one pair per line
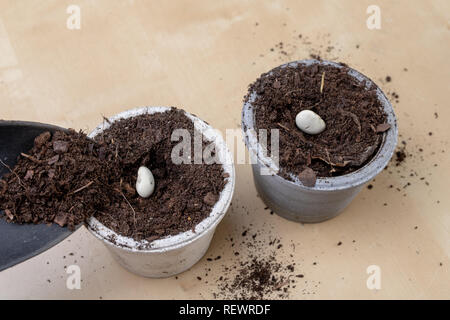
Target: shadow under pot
x,y
312,179
164,255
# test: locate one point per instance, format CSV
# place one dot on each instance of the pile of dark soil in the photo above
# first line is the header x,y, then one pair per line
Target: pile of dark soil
x,y
261,267
67,177
256,279
353,115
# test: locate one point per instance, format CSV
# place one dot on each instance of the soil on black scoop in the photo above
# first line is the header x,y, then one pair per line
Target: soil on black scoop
x,y
354,117
56,181
67,177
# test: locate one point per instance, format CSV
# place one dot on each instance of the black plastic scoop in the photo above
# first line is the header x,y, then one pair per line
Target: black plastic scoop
x,y
19,242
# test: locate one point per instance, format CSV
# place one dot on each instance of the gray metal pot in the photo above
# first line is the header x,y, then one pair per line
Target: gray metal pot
x,y
293,200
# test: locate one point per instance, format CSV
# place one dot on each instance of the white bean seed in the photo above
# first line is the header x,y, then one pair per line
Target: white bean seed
x,y
309,122
145,183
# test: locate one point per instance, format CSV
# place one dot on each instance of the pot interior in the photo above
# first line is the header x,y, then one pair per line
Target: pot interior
x,y
360,176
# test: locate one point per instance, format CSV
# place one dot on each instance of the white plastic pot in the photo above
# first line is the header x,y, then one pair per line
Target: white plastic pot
x,y
173,254
294,201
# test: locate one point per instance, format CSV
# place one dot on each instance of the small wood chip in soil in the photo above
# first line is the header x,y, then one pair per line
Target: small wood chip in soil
x,y
383,127
308,177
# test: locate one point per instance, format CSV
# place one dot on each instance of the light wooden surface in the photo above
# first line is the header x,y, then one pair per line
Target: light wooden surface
x,y
201,55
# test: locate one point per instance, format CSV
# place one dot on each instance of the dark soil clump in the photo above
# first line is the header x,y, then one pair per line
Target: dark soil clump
x,y
354,117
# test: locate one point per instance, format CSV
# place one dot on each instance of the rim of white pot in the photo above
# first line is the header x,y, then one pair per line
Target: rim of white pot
x,y
182,239
360,176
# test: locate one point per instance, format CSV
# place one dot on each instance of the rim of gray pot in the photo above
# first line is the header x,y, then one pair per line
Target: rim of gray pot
x,y
352,179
